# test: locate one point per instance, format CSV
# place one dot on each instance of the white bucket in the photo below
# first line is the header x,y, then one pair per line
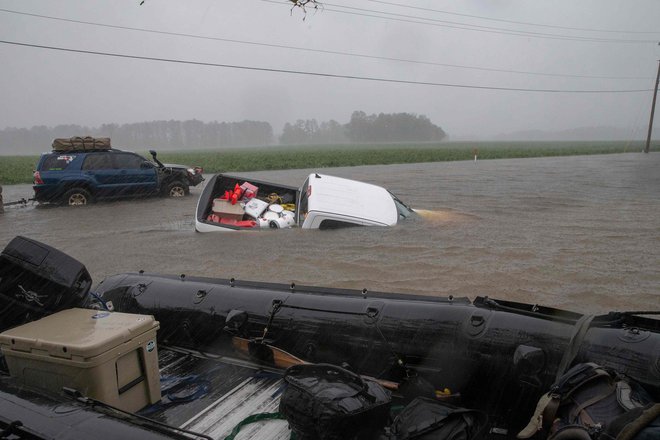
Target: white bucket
x,y
276,208
289,217
279,223
270,215
263,223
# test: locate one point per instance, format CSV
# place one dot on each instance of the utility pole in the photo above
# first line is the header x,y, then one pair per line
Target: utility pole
x,y
655,94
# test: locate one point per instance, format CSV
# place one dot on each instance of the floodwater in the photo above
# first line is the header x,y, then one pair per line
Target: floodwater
x,y
578,233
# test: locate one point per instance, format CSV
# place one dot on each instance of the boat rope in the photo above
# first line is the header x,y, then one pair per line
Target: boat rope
x,y
280,305
16,300
257,418
273,310
175,390
100,301
22,201
495,305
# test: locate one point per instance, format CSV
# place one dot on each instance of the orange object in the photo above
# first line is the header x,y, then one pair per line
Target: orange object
x,y
213,218
239,223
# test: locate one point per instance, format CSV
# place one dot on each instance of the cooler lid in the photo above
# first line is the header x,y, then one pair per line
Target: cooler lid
x,y
77,332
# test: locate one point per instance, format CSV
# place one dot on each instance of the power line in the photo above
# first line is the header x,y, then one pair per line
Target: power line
x,y
317,74
513,21
475,28
331,52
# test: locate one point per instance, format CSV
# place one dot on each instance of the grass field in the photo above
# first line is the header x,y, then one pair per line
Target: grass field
x,y
18,169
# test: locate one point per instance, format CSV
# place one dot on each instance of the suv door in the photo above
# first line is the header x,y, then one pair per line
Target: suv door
x,y
98,167
134,175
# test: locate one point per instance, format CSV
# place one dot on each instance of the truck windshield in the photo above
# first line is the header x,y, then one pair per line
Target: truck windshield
x,y
403,210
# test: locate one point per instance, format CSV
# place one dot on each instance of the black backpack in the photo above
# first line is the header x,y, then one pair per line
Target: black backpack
x,y
327,402
589,402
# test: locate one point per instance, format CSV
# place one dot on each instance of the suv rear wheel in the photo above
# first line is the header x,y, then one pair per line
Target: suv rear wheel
x,y
77,197
176,189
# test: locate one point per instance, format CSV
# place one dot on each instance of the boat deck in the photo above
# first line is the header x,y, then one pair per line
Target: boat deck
x,y
211,395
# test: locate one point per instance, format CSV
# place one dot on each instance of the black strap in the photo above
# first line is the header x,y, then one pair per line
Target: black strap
x,y
550,412
581,328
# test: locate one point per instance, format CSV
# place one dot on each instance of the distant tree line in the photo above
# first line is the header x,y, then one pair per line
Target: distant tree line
x,y
170,135
362,128
156,134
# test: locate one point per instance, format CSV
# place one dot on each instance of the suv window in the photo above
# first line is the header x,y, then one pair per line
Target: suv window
x,y
57,162
100,161
130,161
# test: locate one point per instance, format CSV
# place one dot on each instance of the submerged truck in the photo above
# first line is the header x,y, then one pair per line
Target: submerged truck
x,y
230,203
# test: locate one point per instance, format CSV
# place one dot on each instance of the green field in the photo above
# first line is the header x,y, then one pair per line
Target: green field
x,y
18,169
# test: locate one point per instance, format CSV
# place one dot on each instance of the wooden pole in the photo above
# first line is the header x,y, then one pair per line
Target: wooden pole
x,y
655,94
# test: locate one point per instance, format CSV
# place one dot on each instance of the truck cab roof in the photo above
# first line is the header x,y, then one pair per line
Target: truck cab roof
x,y
339,200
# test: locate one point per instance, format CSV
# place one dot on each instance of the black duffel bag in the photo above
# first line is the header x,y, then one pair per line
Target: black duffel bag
x,y
428,419
327,402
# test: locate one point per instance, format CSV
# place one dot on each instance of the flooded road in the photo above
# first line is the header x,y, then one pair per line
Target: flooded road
x,y
580,233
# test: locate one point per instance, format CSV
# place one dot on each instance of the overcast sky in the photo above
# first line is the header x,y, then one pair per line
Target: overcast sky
x,y
480,45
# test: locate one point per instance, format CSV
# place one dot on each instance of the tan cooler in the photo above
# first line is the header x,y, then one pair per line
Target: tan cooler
x,y
111,357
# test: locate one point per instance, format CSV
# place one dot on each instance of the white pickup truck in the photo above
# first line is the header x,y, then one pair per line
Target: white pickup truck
x,y
230,203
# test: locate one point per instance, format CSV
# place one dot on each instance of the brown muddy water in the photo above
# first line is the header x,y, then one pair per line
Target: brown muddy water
x,y
579,233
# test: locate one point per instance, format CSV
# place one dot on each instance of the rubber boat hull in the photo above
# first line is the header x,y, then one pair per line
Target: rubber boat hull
x,y
491,355
499,356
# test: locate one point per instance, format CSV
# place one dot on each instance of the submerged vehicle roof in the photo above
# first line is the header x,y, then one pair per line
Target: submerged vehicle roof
x,y
350,198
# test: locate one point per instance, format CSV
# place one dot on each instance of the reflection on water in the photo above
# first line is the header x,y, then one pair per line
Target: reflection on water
x,y
581,233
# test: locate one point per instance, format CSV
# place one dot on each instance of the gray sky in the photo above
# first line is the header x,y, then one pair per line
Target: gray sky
x,y
49,87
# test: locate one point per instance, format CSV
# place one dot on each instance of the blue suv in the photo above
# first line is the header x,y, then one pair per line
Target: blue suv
x,y
79,177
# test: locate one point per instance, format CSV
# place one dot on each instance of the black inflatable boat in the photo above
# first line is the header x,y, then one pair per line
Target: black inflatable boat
x,y
491,356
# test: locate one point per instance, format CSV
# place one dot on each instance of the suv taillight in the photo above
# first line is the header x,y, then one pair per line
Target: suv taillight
x,y
37,178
